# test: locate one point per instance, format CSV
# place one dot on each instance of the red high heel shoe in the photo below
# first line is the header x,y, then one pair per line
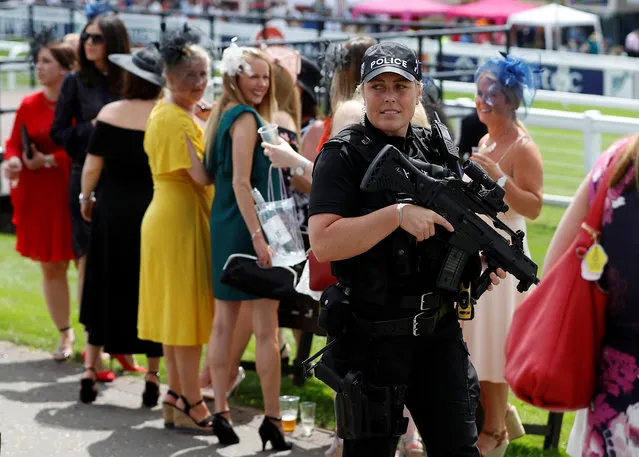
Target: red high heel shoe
x,y
102,376
126,366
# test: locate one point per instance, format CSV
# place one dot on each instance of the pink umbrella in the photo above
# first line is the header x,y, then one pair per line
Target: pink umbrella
x,y
496,10
403,8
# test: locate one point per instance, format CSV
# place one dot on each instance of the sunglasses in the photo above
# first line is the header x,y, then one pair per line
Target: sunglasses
x,y
97,38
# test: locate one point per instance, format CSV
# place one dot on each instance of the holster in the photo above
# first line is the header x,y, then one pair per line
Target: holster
x,y
335,311
363,410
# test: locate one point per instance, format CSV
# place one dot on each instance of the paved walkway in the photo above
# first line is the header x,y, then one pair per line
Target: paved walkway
x,y
40,415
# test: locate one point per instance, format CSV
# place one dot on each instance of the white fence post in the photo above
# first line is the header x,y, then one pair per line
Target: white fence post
x,y
592,139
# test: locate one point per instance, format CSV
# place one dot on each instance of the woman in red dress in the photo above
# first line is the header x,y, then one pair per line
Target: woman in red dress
x,y
40,187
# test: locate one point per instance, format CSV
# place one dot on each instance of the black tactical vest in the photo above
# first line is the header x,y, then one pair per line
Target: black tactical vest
x,y
397,265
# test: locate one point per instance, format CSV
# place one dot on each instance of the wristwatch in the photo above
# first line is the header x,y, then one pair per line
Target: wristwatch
x,y
300,169
48,161
501,182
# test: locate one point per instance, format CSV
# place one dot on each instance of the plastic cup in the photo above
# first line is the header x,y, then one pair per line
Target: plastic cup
x,y
288,409
307,416
269,134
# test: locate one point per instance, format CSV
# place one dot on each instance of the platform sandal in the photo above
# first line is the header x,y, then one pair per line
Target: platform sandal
x,y
168,410
184,420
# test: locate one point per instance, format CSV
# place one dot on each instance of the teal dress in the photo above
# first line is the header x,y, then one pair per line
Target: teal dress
x,y
229,233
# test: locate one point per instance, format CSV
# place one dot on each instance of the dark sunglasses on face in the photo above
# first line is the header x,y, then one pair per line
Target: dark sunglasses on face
x,y
97,38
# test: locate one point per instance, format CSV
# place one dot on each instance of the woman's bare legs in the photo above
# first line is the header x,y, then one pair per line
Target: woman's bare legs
x,y
411,441
153,364
55,287
494,399
92,359
187,360
241,336
267,354
219,349
173,379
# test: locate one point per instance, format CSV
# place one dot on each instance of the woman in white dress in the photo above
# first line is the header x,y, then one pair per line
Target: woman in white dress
x,y
511,158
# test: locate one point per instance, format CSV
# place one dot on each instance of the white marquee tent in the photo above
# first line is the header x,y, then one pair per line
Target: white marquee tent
x,y
553,17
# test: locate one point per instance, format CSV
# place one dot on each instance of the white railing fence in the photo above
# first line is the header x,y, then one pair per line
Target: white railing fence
x,y
14,49
592,124
563,98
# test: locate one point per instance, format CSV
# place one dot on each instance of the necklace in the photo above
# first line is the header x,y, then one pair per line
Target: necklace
x,y
488,149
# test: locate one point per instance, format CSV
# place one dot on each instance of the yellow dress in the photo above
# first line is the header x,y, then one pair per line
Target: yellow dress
x,y
176,295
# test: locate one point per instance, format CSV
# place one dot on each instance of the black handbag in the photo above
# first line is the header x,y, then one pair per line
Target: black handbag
x,y
300,312
242,272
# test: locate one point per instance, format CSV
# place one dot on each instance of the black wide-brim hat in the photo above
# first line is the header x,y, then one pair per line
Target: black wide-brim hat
x,y
310,76
145,63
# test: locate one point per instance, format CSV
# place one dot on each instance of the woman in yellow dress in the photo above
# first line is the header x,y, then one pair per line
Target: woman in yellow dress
x,y
176,301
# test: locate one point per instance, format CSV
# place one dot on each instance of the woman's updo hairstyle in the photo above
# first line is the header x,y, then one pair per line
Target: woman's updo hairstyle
x,y
181,46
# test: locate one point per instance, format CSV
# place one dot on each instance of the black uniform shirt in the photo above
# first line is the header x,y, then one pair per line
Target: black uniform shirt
x,y
337,174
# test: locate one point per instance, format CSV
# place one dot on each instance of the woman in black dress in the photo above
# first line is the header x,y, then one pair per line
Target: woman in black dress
x,y
83,94
116,157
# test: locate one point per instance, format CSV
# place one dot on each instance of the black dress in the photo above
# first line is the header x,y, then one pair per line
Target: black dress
x,y
78,104
111,286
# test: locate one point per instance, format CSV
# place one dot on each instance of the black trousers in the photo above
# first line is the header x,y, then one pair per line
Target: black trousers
x,y
442,388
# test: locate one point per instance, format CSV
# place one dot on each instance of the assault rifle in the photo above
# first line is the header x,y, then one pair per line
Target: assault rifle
x,y
459,202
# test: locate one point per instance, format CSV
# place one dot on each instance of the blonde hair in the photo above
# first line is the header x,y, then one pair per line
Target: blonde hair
x,y
511,97
628,158
288,97
231,93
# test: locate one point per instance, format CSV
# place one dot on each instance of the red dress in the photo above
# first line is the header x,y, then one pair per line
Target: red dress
x,y
40,198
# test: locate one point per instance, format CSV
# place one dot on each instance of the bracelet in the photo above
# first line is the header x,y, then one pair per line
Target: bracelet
x,y
400,212
84,201
254,234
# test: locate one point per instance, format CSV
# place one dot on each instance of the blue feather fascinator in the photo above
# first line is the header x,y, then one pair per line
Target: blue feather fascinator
x,y
514,73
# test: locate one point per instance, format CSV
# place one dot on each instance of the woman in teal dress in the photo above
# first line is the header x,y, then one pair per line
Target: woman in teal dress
x,y
237,162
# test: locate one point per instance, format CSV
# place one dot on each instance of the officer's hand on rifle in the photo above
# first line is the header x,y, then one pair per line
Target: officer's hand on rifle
x,y
496,277
420,222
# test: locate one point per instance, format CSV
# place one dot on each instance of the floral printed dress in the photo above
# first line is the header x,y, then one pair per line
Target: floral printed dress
x,y
613,419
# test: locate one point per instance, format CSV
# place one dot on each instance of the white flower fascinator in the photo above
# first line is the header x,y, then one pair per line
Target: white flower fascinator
x,y
233,60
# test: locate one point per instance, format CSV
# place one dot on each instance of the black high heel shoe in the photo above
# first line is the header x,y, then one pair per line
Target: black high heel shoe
x,y
88,391
270,432
224,430
151,392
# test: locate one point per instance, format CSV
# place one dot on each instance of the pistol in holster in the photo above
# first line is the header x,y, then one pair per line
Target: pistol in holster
x,y
363,410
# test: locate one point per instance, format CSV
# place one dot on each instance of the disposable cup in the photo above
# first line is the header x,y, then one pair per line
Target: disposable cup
x,y
269,134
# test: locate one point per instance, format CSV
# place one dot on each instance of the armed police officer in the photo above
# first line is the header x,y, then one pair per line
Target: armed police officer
x,y
398,338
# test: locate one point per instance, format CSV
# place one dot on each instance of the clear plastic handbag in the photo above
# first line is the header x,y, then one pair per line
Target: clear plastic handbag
x,y
280,224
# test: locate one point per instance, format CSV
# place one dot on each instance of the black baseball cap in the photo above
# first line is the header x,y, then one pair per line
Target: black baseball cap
x,y
391,57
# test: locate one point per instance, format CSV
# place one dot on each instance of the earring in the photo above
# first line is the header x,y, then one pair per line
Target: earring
x,y
363,116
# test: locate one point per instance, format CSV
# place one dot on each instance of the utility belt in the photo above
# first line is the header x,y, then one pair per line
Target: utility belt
x,y
337,315
430,308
